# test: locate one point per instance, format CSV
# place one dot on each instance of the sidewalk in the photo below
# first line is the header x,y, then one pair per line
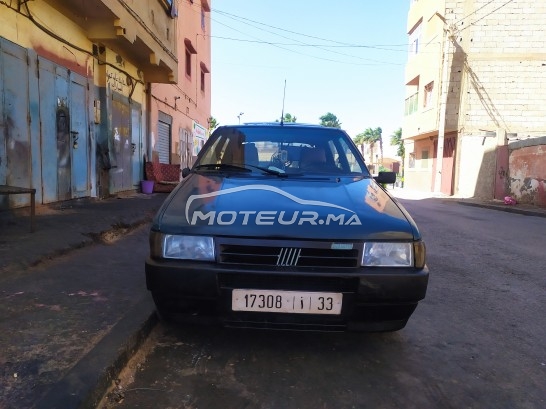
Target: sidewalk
x,y
520,208
60,229
63,343
64,226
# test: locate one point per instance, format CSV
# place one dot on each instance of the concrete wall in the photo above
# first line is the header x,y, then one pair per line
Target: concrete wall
x,y
476,163
496,86
527,171
504,84
417,170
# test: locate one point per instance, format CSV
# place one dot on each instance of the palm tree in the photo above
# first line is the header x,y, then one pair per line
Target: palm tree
x,y
371,136
288,118
396,140
330,120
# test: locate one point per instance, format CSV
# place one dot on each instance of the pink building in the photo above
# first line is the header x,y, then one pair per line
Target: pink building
x,y
179,112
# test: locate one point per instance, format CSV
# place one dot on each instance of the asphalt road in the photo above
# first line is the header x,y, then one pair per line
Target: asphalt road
x,y
476,341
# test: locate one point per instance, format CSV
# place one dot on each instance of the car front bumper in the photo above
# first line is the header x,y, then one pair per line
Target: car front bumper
x,y
373,299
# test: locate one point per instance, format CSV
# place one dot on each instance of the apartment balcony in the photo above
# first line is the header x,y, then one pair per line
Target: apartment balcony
x,y
422,123
142,32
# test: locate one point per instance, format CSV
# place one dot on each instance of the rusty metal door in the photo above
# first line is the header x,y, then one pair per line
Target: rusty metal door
x,y
79,136
186,148
15,149
64,133
52,100
121,178
448,159
41,103
136,145
501,174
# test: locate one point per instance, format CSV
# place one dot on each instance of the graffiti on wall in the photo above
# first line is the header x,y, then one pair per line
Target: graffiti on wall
x,y
118,81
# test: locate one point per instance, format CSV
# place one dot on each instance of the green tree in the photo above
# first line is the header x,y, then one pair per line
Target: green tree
x,y
213,124
396,140
288,118
330,120
371,137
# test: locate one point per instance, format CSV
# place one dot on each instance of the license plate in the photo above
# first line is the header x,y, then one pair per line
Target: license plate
x,y
294,302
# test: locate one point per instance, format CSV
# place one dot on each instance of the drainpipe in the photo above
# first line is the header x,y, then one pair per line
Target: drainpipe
x,y
148,127
442,113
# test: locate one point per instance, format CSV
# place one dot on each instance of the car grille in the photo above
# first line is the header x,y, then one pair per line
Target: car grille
x,y
292,255
302,282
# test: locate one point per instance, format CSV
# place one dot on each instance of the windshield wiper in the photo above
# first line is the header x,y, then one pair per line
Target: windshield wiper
x,y
276,171
221,166
246,167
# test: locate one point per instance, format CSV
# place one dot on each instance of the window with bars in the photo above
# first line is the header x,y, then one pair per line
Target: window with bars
x,y
427,100
424,158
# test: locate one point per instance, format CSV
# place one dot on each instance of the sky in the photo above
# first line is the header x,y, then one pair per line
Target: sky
x,y
346,57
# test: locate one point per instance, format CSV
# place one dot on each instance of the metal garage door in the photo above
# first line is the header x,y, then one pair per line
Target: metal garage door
x,y
164,137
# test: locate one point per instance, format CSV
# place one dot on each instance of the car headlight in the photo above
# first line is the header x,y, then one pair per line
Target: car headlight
x,y
380,254
188,247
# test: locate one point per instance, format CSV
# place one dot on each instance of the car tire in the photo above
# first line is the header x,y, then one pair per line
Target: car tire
x,y
162,309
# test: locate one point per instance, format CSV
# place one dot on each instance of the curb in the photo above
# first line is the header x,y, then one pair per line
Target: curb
x,y
85,384
510,209
89,238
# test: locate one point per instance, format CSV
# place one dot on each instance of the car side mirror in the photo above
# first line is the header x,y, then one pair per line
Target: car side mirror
x,y
185,172
386,177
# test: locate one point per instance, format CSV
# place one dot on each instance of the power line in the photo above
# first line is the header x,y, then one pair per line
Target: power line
x,y
323,47
278,45
319,47
258,40
341,44
484,16
301,45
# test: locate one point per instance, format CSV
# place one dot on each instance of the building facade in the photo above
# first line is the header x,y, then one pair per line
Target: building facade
x,y
180,113
475,111
75,92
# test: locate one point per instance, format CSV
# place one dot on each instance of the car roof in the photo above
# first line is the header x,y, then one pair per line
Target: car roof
x,y
281,124
278,124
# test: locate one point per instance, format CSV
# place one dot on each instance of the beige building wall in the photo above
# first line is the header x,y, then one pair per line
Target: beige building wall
x,y
504,86
423,82
495,90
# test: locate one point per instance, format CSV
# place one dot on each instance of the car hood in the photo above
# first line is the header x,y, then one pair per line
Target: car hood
x,y
346,208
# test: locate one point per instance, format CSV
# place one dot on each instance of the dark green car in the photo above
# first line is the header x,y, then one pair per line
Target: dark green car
x,y
282,226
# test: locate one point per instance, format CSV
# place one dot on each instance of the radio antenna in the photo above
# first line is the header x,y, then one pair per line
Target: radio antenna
x,y
283,97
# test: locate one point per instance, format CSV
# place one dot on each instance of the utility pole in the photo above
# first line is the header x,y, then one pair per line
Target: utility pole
x,y
443,113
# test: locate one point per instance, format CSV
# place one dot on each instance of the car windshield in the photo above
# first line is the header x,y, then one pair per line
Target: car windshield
x,y
282,150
